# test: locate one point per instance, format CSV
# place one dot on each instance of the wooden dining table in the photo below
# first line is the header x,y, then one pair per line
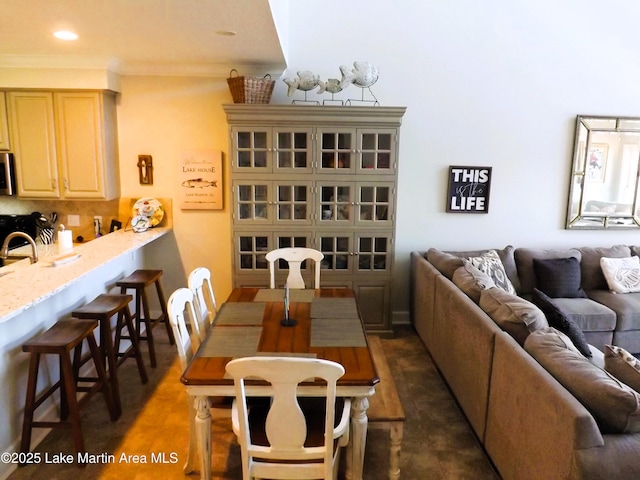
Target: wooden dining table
x,y
328,326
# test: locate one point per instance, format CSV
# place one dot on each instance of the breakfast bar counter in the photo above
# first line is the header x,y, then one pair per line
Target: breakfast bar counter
x,y
23,285
35,296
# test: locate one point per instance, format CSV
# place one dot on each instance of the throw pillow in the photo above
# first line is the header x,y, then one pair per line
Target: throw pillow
x,y
472,281
513,314
559,277
622,274
622,365
614,405
562,322
491,264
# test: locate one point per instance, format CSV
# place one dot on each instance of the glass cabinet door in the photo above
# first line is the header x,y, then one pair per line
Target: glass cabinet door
x,y
336,151
376,151
373,251
292,151
335,203
337,250
250,250
293,202
251,149
252,202
374,203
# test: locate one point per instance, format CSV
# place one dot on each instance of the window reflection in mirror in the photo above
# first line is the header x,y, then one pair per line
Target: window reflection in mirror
x,y
603,192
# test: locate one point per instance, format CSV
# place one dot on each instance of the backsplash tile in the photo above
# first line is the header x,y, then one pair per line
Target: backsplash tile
x,y
85,209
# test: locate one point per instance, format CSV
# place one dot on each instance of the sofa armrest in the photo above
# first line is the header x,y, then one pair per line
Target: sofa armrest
x,y
423,275
534,425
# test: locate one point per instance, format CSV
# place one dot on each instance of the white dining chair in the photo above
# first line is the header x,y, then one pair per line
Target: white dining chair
x,y
294,257
181,305
205,301
286,438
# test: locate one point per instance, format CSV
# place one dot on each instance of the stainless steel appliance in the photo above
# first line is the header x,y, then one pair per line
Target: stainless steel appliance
x,y
17,223
7,174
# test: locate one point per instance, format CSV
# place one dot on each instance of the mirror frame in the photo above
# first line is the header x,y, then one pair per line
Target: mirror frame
x,y
577,216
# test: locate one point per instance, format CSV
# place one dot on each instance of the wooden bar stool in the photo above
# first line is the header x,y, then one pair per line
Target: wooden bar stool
x,y
139,281
60,339
103,308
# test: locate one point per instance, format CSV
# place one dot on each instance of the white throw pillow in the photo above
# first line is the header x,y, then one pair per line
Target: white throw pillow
x,y
622,274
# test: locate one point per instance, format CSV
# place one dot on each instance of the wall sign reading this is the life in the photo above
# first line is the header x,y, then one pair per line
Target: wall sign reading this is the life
x,y
468,189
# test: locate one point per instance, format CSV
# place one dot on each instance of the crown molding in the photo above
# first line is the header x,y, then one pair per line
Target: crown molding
x,y
117,66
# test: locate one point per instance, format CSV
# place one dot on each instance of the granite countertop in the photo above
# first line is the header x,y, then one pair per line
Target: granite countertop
x,y
23,285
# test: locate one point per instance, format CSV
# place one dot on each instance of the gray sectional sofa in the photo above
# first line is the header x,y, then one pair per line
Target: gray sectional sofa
x,y
535,420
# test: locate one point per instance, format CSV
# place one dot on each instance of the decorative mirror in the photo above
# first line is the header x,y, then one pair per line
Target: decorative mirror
x,y
603,193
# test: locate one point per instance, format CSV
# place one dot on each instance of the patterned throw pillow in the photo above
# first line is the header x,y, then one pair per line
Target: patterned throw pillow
x,y
622,274
491,264
622,365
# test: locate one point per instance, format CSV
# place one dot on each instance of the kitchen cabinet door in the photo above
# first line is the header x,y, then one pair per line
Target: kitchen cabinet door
x,y
31,121
85,153
4,124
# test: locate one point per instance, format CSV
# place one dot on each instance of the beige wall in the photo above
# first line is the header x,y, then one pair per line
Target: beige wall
x,y
162,117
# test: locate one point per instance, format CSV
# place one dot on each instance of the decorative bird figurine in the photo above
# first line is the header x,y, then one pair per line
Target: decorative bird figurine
x,y
306,81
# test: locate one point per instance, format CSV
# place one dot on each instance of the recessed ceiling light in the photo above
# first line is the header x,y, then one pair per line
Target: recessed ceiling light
x,y
65,35
226,33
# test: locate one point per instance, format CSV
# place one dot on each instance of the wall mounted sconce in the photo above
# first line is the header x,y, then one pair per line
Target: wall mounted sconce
x,y
145,169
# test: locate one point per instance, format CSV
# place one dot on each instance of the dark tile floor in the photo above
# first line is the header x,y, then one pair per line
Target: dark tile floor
x,y
438,443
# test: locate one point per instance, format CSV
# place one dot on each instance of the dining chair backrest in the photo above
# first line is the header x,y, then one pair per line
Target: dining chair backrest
x,y
294,257
180,303
285,426
205,301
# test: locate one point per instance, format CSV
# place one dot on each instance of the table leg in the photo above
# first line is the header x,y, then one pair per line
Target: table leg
x,y
192,453
203,430
355,451
395,438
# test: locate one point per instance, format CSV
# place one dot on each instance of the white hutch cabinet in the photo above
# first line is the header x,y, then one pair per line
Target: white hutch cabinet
x,y
323,177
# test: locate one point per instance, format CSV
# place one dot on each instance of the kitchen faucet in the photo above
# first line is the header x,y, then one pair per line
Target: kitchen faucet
x,y
4,251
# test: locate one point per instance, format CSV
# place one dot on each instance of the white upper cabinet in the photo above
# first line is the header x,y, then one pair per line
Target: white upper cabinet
x,y
65,144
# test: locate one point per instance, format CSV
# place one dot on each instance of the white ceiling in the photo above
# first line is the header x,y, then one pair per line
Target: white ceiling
x,y
141,36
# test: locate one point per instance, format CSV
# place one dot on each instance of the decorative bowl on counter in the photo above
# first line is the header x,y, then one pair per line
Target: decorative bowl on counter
x,y
149,208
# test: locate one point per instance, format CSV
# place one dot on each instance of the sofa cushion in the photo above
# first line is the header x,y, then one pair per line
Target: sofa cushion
x,y
491,264
626,307
622,365
513,314
559,277
614,405
472,281
588,314
447,262
557,319
622,274
592,277
524,263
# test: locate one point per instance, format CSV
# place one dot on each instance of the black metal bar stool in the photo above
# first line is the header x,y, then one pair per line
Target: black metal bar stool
x,y
139,281
60,339
103,308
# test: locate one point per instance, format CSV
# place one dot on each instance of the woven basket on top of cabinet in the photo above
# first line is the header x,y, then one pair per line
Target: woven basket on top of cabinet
x,y
250,89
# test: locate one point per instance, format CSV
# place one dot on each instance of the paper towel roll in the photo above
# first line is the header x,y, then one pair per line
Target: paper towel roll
x,y
65,240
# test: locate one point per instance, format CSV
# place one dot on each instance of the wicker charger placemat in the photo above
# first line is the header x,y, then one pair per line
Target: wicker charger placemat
x,y
232,342
277,295
240,313
326,307
337,332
